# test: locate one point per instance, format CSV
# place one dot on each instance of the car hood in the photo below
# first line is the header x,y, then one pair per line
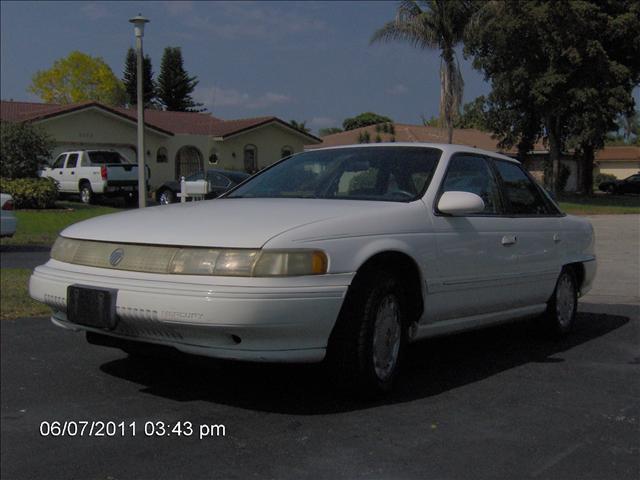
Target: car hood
x,y
230,223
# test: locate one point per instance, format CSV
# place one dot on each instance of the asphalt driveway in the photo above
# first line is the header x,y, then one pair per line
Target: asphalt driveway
x,y
505,402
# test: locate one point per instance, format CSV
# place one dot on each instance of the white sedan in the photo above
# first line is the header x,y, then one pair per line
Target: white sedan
x,y
8,220
344,254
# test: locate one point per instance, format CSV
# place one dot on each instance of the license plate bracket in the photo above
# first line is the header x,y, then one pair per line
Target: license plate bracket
x,y
92,306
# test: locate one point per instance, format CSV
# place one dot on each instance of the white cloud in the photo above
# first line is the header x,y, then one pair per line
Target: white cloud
x,y
398,89
234,20
95,10
216,97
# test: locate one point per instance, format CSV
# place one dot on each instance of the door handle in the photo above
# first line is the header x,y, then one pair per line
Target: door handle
x,y
59,173
509,240
556,238
73,173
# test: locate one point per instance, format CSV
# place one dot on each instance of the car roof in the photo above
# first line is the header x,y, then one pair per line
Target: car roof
x,y
446,148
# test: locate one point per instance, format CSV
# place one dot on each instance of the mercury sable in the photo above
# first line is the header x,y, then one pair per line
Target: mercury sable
x,y
341,254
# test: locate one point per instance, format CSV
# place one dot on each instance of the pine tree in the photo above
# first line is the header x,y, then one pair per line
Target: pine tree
x,y
130,78
175,86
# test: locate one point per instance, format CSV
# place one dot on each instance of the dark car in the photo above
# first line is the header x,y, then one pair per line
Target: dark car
x,y
219,182
620,187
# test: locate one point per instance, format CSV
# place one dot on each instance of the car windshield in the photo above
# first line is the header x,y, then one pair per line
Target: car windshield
x,y
236,177
392,174
194,176
105,158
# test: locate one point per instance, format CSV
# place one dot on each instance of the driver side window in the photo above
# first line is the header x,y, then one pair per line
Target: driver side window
x,y
471,173
59,163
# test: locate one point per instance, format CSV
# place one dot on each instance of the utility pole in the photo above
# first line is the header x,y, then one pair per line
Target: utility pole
x,y
138,23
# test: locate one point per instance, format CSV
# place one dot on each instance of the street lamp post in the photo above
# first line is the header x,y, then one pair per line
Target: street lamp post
x,y
138,23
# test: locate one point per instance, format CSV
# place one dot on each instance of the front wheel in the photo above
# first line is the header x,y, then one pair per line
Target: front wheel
x,y
563,305
367,344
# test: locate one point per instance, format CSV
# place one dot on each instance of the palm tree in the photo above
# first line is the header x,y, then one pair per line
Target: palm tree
x,y
434,24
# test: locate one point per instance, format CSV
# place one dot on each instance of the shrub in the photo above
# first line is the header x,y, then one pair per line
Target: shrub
x,y
603,177
22,148
31,192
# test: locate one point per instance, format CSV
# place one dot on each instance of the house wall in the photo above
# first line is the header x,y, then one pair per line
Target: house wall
x,y
95,128
619,169
269,140
535,166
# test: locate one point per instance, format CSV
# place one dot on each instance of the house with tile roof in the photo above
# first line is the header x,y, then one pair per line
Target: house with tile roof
x,y
177,143
620,161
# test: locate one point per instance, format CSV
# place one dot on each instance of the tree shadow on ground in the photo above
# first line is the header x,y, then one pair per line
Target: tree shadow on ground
x,y
432,366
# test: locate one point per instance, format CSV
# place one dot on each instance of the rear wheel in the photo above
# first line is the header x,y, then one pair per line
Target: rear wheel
x,y
86,193
563,305
366,346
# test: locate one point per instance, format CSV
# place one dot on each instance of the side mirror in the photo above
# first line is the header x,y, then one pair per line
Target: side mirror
x,y
460,203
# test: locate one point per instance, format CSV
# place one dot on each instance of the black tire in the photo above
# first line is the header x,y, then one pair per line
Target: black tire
x,y
351,352
166,197
86,193
562,307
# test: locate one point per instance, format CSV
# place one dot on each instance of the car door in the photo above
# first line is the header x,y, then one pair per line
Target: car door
x,y
631,184
218,184
57,170
477,264
69,180
536,223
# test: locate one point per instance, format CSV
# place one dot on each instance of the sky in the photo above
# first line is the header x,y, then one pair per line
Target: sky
x,y
306,61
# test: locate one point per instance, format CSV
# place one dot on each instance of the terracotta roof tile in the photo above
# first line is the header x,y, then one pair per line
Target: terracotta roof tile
x,y
619,154
418,133
170,122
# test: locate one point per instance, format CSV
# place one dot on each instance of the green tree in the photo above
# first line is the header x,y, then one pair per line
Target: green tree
x,y
430,122
23,147
363,120
473,115
323,132
302,126
436,25
130,79
563,70
78,78
175,86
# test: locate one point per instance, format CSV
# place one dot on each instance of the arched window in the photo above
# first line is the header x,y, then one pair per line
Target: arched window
x,y
286,151
189,160
213,156
250,158
162,156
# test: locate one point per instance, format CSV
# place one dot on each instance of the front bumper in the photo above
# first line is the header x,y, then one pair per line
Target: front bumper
x,y
257,319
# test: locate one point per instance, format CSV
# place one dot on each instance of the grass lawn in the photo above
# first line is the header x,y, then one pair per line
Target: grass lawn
x,y
15,301
600,204
41,227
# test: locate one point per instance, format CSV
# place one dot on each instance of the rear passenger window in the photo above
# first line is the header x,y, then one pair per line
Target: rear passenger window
x,y
470,173
522,195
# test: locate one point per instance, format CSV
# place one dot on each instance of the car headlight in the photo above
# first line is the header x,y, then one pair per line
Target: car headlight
x,y
290,263
190,260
